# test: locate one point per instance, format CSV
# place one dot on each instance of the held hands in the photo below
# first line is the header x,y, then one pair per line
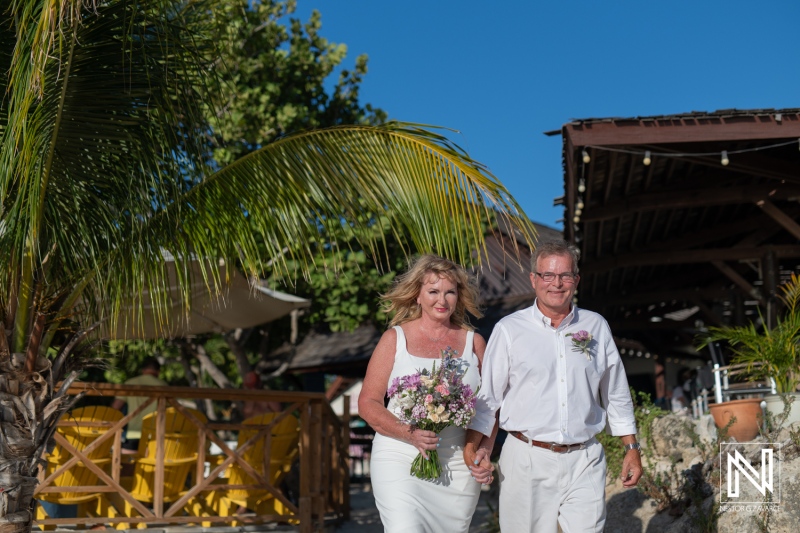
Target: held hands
x,y
479,464
423,440
631,468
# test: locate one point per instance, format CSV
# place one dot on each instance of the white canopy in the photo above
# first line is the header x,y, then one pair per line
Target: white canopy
x,y
237,304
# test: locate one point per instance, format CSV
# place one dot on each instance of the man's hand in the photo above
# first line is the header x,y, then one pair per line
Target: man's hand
x,y
479,464
631,468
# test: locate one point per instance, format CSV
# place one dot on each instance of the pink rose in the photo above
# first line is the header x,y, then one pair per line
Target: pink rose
x,y
441,389
429,398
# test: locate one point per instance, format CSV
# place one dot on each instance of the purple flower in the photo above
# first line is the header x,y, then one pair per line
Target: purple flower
x,y
413,381
581,336
418,412
393,388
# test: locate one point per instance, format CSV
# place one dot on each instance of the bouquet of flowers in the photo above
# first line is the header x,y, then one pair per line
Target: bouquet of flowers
x,y
433,400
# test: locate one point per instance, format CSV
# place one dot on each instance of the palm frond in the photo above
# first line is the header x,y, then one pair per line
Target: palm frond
x,y
312,185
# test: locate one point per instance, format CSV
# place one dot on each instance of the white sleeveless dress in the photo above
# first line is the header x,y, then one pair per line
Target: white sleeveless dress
x,y
405,502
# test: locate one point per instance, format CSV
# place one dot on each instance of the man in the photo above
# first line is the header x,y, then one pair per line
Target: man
x,y
555,389
148,376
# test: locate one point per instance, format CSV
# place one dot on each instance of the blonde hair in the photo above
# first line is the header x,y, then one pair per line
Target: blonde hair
x,y
401,300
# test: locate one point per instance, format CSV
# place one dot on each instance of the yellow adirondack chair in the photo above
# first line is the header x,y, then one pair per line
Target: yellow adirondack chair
x,y
282,452
180,457
79,475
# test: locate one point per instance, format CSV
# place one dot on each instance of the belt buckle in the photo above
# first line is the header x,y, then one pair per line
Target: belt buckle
x,y
553,447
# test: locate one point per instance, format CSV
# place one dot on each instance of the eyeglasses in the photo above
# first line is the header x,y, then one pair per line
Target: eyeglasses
x,y
566,277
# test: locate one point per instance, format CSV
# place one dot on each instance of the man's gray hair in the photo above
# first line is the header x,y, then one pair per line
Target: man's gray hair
x,y
556,247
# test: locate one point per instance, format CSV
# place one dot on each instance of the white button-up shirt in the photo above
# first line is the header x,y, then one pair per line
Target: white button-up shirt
x,y
545,387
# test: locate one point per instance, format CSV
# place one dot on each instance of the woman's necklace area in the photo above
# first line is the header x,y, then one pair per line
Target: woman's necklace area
x,y
447,332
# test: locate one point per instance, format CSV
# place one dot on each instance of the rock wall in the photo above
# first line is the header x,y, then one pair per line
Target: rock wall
x,y
692,463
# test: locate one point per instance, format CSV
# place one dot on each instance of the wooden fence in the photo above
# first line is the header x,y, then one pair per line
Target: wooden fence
x,y
323,462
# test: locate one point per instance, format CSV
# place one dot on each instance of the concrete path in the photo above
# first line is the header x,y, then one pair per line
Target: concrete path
x,y
364,516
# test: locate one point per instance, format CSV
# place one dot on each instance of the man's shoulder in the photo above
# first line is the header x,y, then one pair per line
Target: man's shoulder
x,y
516,316
584,315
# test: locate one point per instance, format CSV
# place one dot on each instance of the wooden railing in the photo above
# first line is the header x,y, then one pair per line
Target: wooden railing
x,y
323,462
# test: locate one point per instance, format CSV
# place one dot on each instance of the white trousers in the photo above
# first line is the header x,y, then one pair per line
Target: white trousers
x,y
540,488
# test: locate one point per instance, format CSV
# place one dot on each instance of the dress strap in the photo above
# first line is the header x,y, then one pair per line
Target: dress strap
x,y
468,344
401,340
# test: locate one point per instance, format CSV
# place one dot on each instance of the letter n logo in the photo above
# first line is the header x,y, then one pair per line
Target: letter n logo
x,y
737,465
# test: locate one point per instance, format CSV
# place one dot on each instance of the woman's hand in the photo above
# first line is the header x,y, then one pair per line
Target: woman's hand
x,y
422,440
481,467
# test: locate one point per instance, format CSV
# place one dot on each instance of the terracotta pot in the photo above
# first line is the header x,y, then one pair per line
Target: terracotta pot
x,y
748,417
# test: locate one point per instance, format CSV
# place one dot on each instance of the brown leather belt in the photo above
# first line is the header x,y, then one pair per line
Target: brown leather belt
x,y
552,446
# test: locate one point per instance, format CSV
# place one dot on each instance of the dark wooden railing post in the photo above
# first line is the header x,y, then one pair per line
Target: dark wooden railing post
x,y
161,429
317,440
344,464
306,468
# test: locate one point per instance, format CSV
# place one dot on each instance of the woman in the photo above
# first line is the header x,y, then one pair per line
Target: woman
x,y
429,302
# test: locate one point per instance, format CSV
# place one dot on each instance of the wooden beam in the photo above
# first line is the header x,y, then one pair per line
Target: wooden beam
x,y
742,283
681,257
667,295
687,198
683,130
780,217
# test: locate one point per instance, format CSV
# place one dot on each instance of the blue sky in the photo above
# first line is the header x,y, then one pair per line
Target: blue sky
x,y
502,73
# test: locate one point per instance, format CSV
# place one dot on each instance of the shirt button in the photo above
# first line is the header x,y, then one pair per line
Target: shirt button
x,y
562,380
562,357
563,404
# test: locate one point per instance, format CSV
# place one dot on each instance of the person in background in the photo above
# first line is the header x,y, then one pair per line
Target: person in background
x,y
148,375
661,387
251,408
683,393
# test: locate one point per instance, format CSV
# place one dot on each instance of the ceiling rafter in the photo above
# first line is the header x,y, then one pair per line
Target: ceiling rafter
x,y
687,198
780,217
678,257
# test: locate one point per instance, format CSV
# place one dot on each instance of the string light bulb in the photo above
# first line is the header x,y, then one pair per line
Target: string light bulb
x,y
579,204
725,159
581,186
646,159
576,219
578,212
585,155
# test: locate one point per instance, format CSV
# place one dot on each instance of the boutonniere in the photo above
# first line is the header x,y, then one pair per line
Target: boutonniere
x,y
581,341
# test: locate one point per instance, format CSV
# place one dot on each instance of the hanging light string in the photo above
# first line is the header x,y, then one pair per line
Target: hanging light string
x,y
651,153
647,157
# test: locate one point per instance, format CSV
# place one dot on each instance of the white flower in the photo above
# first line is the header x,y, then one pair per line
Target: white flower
x,y
406,402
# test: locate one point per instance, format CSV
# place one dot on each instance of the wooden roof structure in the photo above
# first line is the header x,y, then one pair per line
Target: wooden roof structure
x,y
683,221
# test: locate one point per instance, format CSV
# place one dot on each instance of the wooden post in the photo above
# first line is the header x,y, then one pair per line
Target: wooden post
x,y
345,463
318,499
305,469
161,429
116,459
327,443
201,456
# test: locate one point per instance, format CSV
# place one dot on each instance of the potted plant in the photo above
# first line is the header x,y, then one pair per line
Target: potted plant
x,y
769,353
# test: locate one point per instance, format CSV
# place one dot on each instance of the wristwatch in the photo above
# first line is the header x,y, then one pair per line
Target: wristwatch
x,y
633,446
